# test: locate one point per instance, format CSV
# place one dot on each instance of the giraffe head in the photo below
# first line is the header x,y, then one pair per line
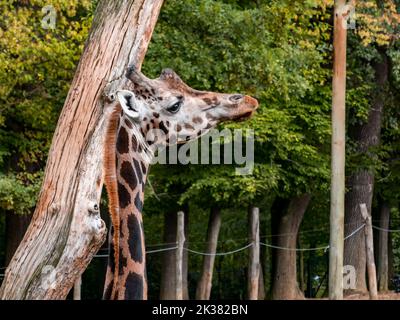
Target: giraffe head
x,y
166,107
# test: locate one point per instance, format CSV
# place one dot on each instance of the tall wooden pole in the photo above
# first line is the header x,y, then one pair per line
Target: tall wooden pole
x,y
254,259
180,236
66,229
338,153
369,248
383,261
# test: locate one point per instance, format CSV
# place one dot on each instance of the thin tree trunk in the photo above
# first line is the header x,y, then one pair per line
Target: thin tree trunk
x,y
205,283
168,268
361,183
279,205
383,261
16,225
66,228
285,286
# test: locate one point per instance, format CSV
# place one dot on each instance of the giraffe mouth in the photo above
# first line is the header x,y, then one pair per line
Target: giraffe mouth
x,y
243,117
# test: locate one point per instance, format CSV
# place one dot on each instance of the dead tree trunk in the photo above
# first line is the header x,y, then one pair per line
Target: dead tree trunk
x,y
205,283
168,273
361,183
383,266
285,286
66,228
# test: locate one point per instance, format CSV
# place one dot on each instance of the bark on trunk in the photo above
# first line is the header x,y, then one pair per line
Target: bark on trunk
x,y
66,228
205,283
383,261
361,183
16,226
285,286
168,269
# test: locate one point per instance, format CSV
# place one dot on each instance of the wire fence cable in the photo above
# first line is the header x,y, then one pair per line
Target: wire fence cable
x,y
219,253
311,249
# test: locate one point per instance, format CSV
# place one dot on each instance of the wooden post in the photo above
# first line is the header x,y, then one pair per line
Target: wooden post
x,y
261,285
338,153
254,256
383,261
77,288
369,247
66,229
203,291
180,237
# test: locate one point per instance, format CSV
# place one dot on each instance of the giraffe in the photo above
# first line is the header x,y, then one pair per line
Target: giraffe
x,y
161,111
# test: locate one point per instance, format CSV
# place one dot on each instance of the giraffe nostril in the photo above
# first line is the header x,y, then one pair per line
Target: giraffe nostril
x,y
236,97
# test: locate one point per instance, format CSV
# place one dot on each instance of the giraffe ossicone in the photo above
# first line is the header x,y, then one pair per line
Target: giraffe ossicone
x,y
154,112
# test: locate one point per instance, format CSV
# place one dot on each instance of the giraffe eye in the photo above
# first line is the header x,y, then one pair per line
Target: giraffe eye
x,y
175,107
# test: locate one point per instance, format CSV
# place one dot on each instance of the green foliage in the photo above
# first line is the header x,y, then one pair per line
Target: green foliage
x,y
272,51
36,69
376,36
19,196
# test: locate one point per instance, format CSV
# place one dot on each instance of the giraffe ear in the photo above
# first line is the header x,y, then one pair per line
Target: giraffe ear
x,y
129,103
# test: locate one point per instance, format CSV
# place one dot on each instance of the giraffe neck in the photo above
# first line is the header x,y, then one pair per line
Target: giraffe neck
x,y
131,174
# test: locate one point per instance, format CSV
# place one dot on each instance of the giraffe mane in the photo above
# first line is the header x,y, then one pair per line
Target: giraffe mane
x,y
110,180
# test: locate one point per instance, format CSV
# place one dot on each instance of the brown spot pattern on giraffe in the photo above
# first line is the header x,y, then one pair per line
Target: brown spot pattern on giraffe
x,y
135,239
128,175
208,101
124,196
197,120
189,126
123,141
128,123
134,287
